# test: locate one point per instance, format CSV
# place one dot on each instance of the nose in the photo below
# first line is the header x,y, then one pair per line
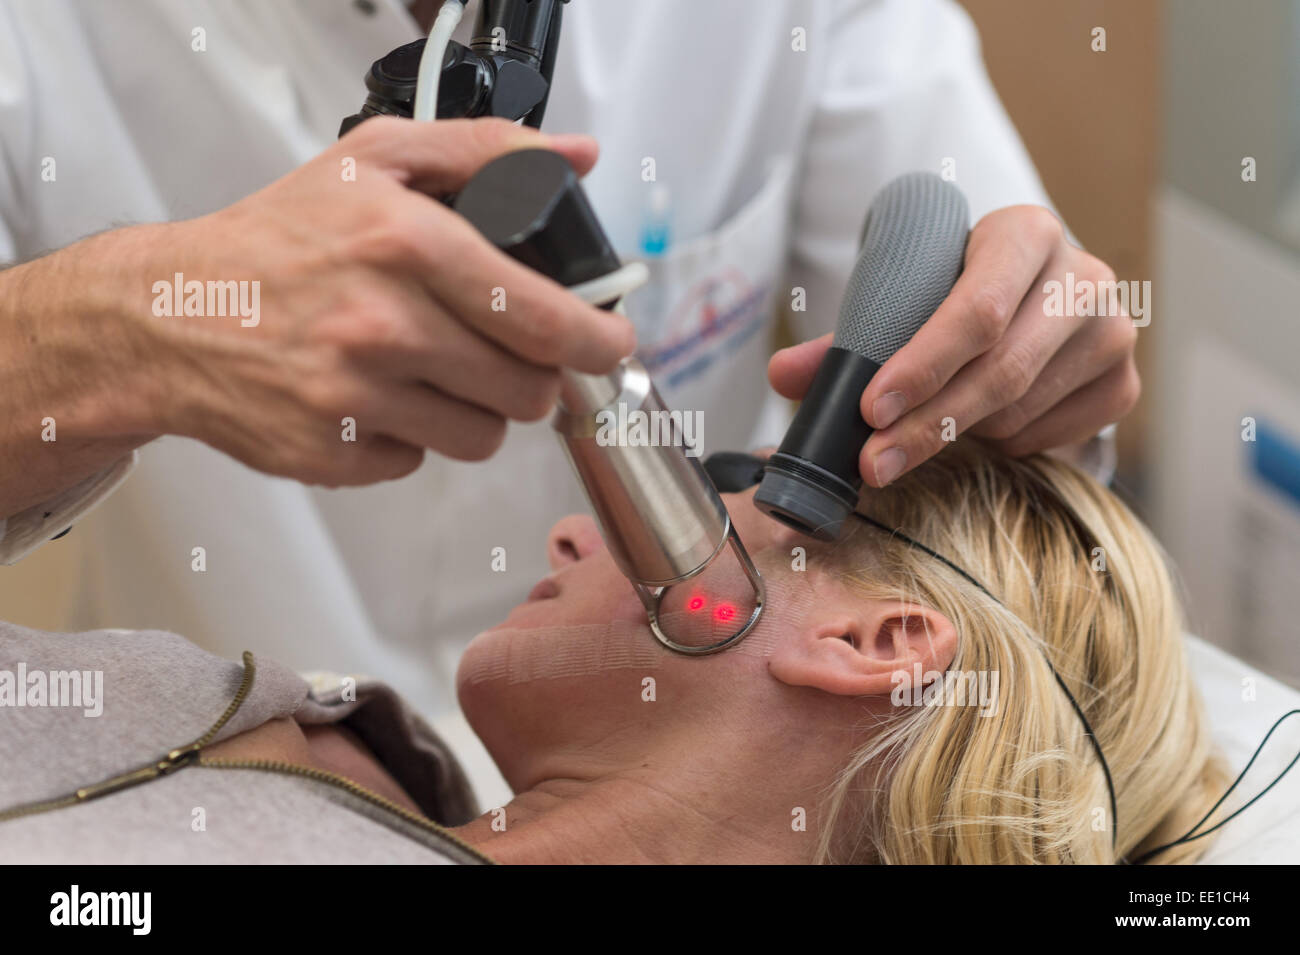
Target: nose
x,y
571,539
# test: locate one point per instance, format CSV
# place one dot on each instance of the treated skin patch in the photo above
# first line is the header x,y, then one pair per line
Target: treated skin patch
x,y
568,651
552,652
711,607
584,650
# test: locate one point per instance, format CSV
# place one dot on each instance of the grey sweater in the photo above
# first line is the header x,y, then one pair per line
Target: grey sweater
x,y
101,760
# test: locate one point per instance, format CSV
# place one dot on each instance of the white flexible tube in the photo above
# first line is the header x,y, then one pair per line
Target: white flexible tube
x,y
435,48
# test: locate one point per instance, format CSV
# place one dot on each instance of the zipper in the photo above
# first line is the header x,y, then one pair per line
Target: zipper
x,y
191,755
347,785
176,759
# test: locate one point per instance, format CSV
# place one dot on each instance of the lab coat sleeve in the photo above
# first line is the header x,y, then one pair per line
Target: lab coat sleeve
x,y
22,533
903,88
15,133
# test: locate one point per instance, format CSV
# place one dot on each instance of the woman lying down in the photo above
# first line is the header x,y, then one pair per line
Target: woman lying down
x,y
811,741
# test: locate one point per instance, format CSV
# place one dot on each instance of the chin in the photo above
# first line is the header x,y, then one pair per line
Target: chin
x,y
479,699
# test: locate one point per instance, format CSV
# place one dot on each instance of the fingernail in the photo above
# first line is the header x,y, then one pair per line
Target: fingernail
x,y
888,408
889,465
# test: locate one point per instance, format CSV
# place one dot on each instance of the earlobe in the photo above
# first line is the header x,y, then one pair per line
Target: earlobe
x,y
860,653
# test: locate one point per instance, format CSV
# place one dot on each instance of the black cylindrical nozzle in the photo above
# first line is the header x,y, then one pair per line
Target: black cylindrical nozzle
x,y
811,483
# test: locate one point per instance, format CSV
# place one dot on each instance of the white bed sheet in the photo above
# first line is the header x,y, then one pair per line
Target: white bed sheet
x,y
1269,831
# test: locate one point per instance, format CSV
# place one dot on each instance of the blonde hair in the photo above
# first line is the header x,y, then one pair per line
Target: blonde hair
x,y
945,784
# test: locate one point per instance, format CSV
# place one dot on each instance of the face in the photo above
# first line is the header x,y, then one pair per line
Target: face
x,y
578,652
574,672
586,590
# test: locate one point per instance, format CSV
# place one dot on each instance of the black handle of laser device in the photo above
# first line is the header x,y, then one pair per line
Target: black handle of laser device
x,y
490,77
828,427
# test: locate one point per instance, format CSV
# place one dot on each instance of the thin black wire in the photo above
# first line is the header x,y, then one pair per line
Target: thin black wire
x,y
1087,727
727,475
1191,835
1188,837
730,468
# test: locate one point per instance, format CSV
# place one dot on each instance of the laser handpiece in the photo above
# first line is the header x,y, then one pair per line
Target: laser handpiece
x,y
662,519
661,516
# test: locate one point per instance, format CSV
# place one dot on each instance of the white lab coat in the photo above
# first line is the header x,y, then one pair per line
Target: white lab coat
x,y
771,124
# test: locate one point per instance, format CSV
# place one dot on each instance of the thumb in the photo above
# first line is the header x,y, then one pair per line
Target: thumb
x,y
791,370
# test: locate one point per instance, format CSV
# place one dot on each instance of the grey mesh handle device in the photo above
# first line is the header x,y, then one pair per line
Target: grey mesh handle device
x,y
913,245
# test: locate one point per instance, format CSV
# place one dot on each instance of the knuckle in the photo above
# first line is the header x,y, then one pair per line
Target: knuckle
x,y
927,437
399,460
1015,373
394,239
332,396
989,314
483,440
493,131
381,127
1130,388
1097,270
1007,423
1016,446
928,441
1123,335
537,397
1044,225
316,464
318,393
922,382
370,323
541,334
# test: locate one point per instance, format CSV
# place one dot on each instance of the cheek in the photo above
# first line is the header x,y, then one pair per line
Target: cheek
x,y
708,609
597,625
711,607
516,655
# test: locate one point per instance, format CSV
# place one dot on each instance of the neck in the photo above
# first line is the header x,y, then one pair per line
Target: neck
x,y
665,807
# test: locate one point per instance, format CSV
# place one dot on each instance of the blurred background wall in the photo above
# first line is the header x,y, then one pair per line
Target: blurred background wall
x,y
1091,120
1175,156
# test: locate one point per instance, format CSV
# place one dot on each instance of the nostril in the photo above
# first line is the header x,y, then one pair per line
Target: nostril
x,y
571,539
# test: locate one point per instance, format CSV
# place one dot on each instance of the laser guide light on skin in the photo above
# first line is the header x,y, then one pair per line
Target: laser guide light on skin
x,y
662,518
913,246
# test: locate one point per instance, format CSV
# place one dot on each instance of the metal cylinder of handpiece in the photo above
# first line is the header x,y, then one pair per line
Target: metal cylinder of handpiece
x,y
663,520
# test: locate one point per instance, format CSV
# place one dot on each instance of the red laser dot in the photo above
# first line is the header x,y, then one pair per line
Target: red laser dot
x,y
695,603
725,612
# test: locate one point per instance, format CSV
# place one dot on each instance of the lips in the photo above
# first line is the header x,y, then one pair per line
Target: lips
x,y
544,590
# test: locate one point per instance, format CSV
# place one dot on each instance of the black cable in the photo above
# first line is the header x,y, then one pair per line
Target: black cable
x,y
1087,727
735,472
1188,837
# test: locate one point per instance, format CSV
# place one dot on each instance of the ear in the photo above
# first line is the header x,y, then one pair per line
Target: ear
x,y
858,651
